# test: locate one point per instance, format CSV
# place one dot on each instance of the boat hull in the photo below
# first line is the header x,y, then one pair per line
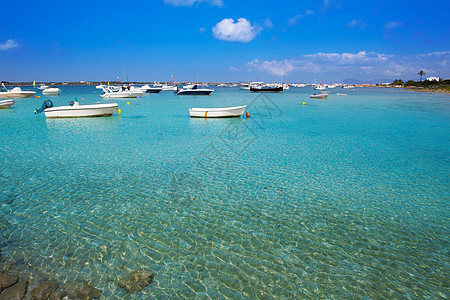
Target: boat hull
x,y
153,90
22,94
319,96
6,103
119,95
81,111
51,91
267,89
196,92
223,112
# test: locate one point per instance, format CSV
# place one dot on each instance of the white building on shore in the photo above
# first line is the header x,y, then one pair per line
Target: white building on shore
x,y
433,78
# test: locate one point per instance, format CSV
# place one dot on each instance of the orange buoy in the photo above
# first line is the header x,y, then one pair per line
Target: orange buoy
x,y
71,94
82,99
247,115
38,96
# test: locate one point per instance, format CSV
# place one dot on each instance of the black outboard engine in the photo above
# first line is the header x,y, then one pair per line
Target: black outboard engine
x,y
71,103
46,104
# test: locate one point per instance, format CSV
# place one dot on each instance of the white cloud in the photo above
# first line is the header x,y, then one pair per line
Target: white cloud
x,y
356,24
278,68
293,21
361,64
330,4
268,23
241,31
392,24
233,69
218,3
9,45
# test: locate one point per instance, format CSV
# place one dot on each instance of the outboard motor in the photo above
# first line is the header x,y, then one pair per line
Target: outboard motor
x,y
46,104
71,103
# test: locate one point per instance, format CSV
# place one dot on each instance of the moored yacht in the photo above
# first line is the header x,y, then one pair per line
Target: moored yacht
x,y
194,90
150,89
16,93
125,91
51,91
268,88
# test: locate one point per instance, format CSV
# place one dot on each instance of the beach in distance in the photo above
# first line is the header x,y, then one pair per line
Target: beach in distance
x,y
339,198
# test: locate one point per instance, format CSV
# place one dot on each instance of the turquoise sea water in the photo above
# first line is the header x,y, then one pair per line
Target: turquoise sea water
x,y
340,198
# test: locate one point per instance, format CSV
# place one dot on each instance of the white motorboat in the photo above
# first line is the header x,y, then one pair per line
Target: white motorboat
x,y
320,87
75,110
244,86
220,112
42,87
6,103
51,91
319,96
285,86
16,93
348,86
340,94
268,88
194,90
123,92
169,88
150,89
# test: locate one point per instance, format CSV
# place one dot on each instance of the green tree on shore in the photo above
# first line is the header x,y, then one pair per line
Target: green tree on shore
x,y
421,73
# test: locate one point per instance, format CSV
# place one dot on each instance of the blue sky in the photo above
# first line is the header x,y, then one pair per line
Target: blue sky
x,y
224,40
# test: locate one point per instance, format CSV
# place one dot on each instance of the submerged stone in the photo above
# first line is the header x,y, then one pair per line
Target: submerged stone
x,y
7,280
136,280
57,295
44,290
82,291
15,292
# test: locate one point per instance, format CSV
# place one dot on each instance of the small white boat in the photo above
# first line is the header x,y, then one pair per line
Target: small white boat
x,y
42,87
51,91
318,96
220,112
75,110
194,90
123,92
169,88
340,94
244,86
320,87
348,86
6,103
150,89
16,93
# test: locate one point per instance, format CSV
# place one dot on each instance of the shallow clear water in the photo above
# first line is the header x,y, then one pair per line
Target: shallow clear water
x,y
340,198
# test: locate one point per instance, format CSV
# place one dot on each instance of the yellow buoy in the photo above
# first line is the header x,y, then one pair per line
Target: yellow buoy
x,y
303,103
128,103
119,111
137,97
95,92
38,96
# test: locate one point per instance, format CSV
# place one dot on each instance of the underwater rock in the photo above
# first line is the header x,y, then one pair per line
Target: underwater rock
x,y
15,292
44,290
57,295
82,291
136,280
7,280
